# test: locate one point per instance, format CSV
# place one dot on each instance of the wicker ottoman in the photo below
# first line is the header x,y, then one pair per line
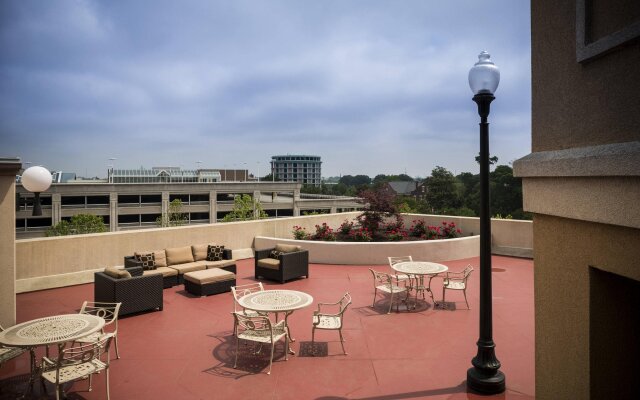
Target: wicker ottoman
x,y
209,281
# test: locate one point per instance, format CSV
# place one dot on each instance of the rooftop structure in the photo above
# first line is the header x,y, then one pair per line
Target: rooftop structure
x,y
165,175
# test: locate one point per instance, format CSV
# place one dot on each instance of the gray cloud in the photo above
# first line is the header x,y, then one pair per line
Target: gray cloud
x,y
371,86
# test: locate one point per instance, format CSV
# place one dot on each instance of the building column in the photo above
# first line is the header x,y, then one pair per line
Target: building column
x,y
296,202
213,206
9,168
113,211
165,205
256,198
334,210
56,208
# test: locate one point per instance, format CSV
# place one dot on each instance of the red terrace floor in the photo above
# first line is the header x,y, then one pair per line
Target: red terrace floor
x,y
186,351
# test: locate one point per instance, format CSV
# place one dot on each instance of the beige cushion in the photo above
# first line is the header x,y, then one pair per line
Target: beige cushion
x,y
179,255
271,263
288,248
165,271
188,267
209,276
199,252
161,258
117,273
220,264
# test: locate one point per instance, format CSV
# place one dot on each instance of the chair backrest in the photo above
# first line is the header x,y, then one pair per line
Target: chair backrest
x,y
466,272
394,260
83,353
107,311
243,290
344,302
381,277
253,323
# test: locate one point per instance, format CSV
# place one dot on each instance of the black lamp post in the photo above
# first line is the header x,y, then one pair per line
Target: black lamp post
x,y
485,376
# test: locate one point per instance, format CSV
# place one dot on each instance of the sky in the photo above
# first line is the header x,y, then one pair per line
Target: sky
x,y
372,87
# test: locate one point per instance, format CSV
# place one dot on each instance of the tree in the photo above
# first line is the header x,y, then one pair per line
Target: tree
x,y
378,204
269,178
243,209
78,225
442,190
506,191
492,160
174,215
357,180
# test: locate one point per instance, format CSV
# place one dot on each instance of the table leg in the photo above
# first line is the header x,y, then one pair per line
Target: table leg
x,y
286,324
32,373
435,303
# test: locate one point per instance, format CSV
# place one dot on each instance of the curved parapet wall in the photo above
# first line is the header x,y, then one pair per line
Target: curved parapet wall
x,y
376,253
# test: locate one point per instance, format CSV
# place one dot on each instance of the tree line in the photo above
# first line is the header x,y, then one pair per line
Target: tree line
x,y
445,193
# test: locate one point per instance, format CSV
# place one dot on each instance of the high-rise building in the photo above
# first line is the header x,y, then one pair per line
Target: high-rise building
x,y
297,168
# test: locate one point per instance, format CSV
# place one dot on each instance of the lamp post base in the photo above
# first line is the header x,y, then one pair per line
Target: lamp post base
x,y
485,384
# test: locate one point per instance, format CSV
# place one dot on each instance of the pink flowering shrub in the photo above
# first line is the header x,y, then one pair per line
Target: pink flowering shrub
x,y
393,231
346,227
361,235
299,233
324,232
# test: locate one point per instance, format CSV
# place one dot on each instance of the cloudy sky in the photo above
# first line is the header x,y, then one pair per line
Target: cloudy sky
x,y
370,86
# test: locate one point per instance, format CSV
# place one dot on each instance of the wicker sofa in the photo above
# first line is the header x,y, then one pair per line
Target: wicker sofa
x,y
291,262
136,293
174,262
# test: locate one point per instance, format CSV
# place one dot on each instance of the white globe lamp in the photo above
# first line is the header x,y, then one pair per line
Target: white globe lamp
x,y
36,179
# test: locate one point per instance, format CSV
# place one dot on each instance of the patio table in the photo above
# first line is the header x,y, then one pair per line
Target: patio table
x,y
420,269
277,301
58,329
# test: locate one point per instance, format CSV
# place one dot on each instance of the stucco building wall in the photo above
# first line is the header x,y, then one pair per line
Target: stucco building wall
x,y
582,182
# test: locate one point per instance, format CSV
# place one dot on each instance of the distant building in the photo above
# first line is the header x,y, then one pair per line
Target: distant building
x,y
63,177
167,175
297,168
417,190
125,206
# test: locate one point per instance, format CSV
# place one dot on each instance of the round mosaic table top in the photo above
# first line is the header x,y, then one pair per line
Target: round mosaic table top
x,y
420,267
275,300
50,330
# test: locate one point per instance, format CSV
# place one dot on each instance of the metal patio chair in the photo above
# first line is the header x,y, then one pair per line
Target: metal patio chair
x,y
406,278
8,353
108,311
76,363
457,281
384,283
260,329
330,321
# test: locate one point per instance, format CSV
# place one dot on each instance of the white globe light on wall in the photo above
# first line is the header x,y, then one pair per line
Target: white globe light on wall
x,y
36,179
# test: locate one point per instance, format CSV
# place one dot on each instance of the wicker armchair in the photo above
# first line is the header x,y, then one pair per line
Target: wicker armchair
x,y
330,321
387,283
260,329
290,265
457,281
9,353
138,293
76,363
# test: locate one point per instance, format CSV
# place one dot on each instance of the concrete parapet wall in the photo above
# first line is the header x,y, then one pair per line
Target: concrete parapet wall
x,y
61,261
376,253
